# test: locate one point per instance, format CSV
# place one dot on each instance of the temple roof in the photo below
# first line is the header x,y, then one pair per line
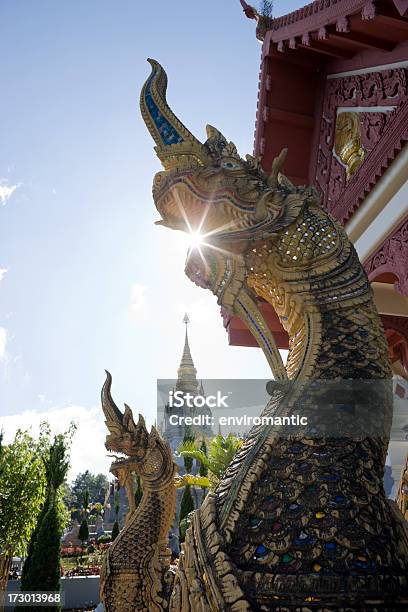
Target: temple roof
x,y
344,24
323,40
335,29
324,12
326,58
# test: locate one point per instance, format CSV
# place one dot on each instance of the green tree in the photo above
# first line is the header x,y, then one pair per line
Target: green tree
x,y
116,528
203,470
33,540
83,533
186,507
115,531
85,503
44,572
68,497
138,492
184,525
42,567
22,493
95,484
189,438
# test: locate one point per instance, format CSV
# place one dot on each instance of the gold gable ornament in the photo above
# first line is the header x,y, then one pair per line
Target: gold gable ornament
x,y
347,142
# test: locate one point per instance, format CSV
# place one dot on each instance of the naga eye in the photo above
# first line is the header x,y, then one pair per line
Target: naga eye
x,y
231,165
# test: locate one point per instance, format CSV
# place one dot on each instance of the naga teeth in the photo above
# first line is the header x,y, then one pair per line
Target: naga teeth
x,y
118,457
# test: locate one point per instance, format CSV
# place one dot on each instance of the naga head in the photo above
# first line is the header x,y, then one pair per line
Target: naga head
x,y
131,443
207,188
228,204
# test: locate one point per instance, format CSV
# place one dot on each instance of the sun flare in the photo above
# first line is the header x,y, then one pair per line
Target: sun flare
x,y
195,240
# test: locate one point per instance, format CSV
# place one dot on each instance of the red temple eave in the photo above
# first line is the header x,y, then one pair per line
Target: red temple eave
x,y
311,59
318,16
239,334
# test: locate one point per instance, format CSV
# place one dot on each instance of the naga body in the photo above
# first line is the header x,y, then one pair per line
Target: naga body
x,y
300,520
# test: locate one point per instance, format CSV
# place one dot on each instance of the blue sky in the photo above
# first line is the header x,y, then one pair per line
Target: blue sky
x,y
87,282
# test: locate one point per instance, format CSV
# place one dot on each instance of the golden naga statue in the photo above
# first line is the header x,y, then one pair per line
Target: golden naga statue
x,y
135,574
300,521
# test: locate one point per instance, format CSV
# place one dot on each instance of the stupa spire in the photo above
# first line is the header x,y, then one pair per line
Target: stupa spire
x,y
187,374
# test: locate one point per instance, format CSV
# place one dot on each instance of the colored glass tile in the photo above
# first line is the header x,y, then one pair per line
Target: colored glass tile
x,y
261,551
254,522
328,477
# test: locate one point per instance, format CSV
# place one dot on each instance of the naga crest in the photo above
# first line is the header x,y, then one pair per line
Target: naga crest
x,y
131,444
208,187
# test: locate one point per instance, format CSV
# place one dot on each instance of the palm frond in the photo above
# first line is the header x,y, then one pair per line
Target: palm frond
x,y
197,454
187,446
193,481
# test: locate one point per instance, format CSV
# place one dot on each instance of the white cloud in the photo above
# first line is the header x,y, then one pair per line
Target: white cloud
x,y
88,451
3,342
138,299
43,399
3,271
198,310
6,190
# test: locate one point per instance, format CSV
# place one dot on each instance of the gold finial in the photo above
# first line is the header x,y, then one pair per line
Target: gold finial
x,y
187,374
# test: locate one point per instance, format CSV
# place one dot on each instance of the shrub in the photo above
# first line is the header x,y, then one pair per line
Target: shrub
x,y
185,524
42,571
186,506
44,574
104,539
31,547
83,533
115,530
